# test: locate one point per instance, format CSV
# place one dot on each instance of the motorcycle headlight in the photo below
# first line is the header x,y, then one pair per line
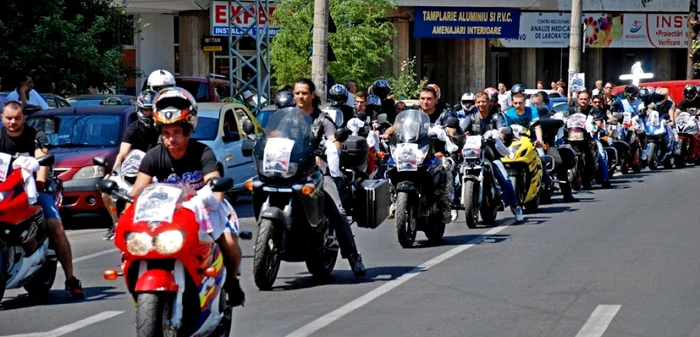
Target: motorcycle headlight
x,y
89,172
139,243
659,131
291,171
169,242
513,150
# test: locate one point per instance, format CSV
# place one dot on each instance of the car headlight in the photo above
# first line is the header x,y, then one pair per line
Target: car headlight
x,y
88,172
170,242
139,243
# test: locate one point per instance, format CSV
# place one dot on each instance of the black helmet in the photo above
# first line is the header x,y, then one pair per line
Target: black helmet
x,y
145,100
631,91
284,99
645,95
517,89
338,95
381,89
373,102
690,92
545,97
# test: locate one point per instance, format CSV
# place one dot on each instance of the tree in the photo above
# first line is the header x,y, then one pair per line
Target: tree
x,y
74,43
361,44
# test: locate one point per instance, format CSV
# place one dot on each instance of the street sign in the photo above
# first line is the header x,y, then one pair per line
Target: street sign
x,y
243,19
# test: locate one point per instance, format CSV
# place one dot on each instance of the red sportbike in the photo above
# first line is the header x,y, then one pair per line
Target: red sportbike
x,y
174,272
686,128
27,255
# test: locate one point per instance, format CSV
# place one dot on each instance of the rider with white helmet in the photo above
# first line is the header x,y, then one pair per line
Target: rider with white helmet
x,y
160,79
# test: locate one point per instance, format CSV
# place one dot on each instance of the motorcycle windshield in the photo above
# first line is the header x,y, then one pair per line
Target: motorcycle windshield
x,y
411,126
577,120
157,202
285,145
683,119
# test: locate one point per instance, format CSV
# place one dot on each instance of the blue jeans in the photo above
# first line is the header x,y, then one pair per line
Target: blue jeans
x,y
603,173
507,189
48,205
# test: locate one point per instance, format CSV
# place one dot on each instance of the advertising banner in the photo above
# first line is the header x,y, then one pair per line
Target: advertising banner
x,y
615,30
647,6
539,30
220,15
466,23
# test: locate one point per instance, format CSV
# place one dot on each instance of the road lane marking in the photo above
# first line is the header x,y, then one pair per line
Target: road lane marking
x,y
66,329
333,316
599,321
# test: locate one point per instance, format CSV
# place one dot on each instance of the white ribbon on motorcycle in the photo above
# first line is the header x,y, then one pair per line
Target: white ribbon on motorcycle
x,y
354,125
211,213
496,136
28,165
438,131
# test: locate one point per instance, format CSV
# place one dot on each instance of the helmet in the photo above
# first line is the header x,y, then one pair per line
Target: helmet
x,y
338,95
160,79
284,99
545,97
145,100
690,92
661,94
175,105
373,103
437,90
468,100
492,93
645,95
381,88
631,91
517,89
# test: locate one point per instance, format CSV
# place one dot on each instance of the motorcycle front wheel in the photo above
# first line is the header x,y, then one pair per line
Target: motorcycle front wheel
x,y
406,220
152,309
471,203
266,259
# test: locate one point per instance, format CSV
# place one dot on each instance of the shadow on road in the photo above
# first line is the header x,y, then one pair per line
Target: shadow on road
x,y
60,297
338,277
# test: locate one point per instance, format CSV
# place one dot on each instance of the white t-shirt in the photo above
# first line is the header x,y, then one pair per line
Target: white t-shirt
x,y
34,98
505,101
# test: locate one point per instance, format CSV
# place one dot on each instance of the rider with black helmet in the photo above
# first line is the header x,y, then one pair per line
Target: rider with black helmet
x,y
139,135
284,99
381,89
373,107
690,99
338,96
628,101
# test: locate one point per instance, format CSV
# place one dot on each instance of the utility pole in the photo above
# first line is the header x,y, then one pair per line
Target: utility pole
x,y
692,17
575,39
319,59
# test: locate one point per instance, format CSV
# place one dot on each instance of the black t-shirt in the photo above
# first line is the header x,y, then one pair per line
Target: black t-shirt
x,y
389,108
590,111
664,109
140,137
686,104
199,160
25,144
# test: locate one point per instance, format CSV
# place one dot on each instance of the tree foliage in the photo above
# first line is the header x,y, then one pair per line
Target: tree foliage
x,y
405,85
361,44
74,43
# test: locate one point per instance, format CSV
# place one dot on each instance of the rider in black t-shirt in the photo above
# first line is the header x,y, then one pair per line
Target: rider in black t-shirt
x,y
139,135
691,100
180,160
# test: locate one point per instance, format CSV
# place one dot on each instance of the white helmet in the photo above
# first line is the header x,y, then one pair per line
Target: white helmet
x,y
160,79
468,100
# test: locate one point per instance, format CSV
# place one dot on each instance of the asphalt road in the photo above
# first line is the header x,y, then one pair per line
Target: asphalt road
x,y
622,262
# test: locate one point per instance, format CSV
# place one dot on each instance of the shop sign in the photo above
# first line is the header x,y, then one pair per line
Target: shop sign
x,y
220,14
648,6
466,23
540,30
615,30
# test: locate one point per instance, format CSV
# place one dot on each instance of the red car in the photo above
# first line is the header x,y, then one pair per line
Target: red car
x,y
75,136
204,89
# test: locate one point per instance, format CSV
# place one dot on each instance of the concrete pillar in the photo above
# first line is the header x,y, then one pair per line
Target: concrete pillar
x,y
528,70
477,64
594,67
193,60
400,43
663,64
155,45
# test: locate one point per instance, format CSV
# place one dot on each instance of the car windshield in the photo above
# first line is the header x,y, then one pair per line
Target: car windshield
x,y
206,128
83,130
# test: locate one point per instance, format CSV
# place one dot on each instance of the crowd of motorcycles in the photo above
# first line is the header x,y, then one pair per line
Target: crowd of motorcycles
x,y
177,279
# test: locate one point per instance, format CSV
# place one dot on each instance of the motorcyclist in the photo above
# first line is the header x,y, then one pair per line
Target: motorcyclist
x,y
479,122
628,102
468,104
440,105
160,79
182,160
18,138
373,107
307,101
690,99
381,89
139,135
493,97
338,95
597,117
647,96
664,105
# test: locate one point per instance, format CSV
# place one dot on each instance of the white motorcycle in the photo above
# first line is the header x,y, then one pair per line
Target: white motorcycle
x,y
125,177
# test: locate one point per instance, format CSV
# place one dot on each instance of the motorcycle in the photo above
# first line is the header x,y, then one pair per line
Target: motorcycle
x,y
627,142
415,172
125,177
173,269
570,158
587,151
655,149
288,200
688,139
27,254
525,169
480,193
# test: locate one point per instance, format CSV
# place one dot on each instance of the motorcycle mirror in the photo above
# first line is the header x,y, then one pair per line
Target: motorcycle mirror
x,y
247,147
452,122
46,160
100,161
248,127
617,115
107,186
221,184
382,118
342,135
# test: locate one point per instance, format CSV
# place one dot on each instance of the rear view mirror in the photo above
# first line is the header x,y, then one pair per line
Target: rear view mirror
x,y
46,160
247,147
221,184
248,127
107,186
99,161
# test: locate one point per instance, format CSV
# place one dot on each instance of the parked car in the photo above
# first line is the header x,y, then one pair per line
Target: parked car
x,y
211,88
101,99
675,88
75,136
54,101
220,126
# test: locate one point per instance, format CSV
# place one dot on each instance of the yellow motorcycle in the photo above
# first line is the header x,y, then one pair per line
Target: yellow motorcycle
x,y
524,168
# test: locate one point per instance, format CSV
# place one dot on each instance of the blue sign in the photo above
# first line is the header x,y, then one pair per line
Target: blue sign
x,y
466,23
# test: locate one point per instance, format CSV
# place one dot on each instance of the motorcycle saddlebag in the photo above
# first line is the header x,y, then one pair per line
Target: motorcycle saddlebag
x,y
354,152
371,203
